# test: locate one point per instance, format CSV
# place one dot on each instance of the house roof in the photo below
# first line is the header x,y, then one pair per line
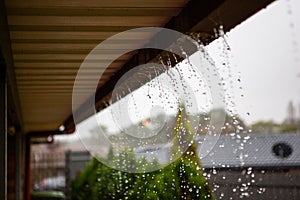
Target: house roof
x,y
254,150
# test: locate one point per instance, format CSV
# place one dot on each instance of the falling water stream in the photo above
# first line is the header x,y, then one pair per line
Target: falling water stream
x,y
147,101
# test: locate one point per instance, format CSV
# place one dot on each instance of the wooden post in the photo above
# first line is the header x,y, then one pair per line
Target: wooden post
x,y
3,131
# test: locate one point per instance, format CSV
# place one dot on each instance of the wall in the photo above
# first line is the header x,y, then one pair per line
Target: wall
x,y
258,184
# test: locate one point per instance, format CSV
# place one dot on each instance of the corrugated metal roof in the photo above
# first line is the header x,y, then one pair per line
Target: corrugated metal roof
x,y
236,151
253,150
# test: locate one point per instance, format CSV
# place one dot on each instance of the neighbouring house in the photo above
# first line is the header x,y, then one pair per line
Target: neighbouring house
x,y
253,166
256,166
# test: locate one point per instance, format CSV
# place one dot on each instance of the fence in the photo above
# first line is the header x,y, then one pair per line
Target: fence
x,y
47,170
268,185
75,162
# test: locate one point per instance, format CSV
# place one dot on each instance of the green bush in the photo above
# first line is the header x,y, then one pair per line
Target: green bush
x,y
180,180
183,179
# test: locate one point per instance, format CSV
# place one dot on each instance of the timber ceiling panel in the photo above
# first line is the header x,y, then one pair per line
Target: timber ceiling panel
x,y
50,39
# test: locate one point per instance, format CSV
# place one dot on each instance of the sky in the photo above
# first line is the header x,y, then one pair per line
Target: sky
x,y
265,54
264,62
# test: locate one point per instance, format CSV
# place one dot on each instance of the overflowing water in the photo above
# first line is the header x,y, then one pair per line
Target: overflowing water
x,y
158,111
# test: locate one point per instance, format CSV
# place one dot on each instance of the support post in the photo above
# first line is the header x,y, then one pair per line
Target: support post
x,y
19,167
3,132
27,168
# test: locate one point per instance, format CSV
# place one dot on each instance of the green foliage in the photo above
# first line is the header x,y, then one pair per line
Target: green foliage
x,y
272,127
265,127
288,128
182,179
84,186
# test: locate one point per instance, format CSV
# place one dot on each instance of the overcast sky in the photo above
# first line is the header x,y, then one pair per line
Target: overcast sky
x,y
265,51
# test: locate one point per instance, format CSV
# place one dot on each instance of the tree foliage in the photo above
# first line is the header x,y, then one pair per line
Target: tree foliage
x,y
266,127
182,179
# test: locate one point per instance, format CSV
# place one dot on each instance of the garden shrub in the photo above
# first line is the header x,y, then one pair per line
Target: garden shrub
x,y
182,179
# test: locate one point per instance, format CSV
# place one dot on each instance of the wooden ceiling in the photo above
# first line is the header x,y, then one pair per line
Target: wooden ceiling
x,y
50,39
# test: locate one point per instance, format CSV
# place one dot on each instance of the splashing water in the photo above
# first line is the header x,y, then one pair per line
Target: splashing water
x,y
155,110
144,110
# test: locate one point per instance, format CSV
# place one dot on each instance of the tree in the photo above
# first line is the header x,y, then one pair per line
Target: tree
x,y
291,114
265,127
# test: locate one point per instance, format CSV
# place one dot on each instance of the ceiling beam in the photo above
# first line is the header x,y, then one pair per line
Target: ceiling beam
x,y
94,4
71,28
129,11
74,35
85,20
34,134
